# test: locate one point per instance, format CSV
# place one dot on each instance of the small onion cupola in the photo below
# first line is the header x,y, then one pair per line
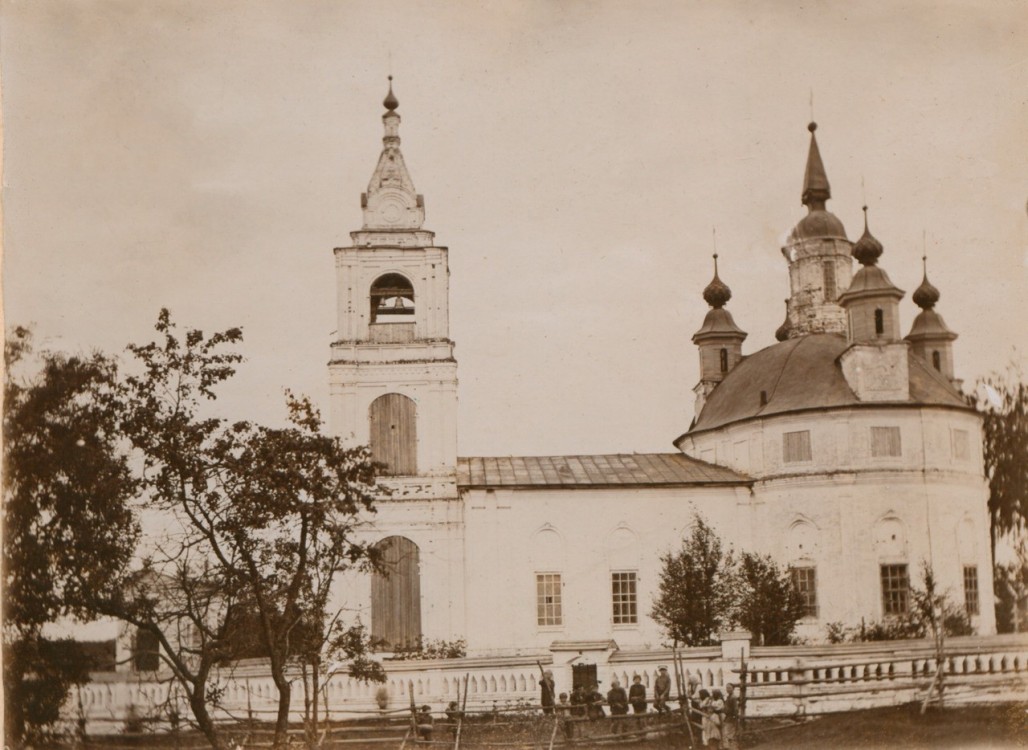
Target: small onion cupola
x,y
719,339
818,253
930,338
872,300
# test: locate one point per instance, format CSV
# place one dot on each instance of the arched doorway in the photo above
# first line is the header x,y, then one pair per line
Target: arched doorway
x,y
394,436
396,594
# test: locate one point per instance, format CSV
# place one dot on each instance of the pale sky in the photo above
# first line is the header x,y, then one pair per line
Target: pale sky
x,y
574,157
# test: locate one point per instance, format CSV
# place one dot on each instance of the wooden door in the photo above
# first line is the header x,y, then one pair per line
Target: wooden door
x,y
394,437
583,675
396,594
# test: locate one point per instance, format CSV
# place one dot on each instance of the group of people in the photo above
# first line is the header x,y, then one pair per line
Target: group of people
x,y
718,714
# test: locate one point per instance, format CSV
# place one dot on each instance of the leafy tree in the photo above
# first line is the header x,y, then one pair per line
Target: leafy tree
x,y
769,603
1010,581
68,529
1003,403
697,589
38,676
256,518
932,615
326,651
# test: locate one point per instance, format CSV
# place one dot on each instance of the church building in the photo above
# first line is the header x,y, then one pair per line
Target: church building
x,y
845,451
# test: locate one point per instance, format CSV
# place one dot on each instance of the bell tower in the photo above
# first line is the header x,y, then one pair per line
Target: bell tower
x,y
392,373
820,266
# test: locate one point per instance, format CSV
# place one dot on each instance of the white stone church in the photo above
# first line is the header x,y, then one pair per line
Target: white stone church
x,y
846,451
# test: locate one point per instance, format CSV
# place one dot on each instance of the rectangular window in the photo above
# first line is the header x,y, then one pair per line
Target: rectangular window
x,y
971,589
885,442
548,598
623,598
961,451
805,581
895,590
796,446
146,655
828,268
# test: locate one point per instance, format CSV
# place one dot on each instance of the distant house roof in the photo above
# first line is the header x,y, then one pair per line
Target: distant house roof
x,y
611,470
804,373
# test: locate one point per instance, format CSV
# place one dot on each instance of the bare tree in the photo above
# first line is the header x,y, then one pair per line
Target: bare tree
x,y
256,522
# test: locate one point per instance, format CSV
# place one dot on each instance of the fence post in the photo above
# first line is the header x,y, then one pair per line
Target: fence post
x,y
735,644
743,675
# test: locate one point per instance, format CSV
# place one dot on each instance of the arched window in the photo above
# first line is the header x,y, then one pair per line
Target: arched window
x,y
392,298
724,360
396,594
936,360
879,322
394,436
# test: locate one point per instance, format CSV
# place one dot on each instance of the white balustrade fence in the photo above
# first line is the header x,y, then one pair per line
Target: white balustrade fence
x,y
780,681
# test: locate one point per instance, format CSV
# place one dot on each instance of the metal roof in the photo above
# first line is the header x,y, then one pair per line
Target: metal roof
x,y
608,470
804,373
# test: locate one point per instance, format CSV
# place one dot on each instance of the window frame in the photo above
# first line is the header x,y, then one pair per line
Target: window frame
x,y
549,614
146,651
807,589
889,431
972,592
809,457
621,599
960,444
894,579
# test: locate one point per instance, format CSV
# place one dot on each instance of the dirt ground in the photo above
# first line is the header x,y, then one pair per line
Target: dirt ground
x,y
1004,726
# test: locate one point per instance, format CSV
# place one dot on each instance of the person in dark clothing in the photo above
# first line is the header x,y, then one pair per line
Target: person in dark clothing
x,y
424,723
453,714
730,727
637,695
548,694
617,699
594,702
578,701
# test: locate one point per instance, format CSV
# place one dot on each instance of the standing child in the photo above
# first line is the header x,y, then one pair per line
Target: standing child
x,y
662,691
730,726
637,695
564,712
